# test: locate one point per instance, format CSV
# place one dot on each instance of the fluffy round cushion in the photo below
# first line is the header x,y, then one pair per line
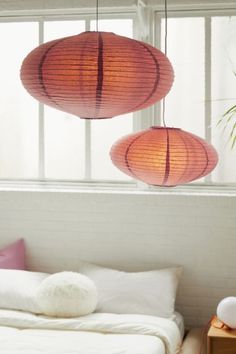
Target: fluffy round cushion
x,y
67,294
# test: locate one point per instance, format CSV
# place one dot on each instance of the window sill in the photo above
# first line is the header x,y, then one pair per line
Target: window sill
x,y
115,188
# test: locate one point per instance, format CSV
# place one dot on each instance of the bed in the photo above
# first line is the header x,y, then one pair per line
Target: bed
x,y
133,314
22,332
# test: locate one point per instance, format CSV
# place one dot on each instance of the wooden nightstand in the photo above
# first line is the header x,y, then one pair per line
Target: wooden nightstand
x,y
221,341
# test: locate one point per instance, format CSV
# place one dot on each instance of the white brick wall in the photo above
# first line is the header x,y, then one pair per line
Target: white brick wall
x,y
134,232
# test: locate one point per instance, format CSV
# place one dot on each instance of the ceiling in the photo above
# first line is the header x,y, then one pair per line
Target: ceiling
x,y
8,5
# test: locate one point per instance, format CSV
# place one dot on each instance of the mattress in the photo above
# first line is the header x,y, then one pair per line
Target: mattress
x,y
24,333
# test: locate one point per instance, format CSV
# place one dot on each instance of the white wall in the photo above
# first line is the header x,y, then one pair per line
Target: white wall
x,y
131,231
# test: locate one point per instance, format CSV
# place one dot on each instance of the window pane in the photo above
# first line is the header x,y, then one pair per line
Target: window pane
x,y
64,145
64,133
122,27
223,94
185,102
105,132
18,110
60,29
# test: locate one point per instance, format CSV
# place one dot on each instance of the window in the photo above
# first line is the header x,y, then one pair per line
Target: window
x,y
78,149
41,143
204,61
223,89
18,111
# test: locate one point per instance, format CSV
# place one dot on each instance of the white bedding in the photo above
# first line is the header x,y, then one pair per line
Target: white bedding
x,y
98,333
179,320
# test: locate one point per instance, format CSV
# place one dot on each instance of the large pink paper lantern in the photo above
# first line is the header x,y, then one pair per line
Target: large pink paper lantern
x,y
97,75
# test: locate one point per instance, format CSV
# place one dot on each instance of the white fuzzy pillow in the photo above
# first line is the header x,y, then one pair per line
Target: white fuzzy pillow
x,y
67,294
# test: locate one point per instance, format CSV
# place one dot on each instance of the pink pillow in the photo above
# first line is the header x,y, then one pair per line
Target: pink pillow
x,y
13,256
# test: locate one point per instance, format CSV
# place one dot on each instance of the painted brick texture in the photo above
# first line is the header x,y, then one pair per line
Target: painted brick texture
x,y
132,232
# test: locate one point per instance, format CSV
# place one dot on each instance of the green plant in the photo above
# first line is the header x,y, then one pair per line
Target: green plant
x,y
229,121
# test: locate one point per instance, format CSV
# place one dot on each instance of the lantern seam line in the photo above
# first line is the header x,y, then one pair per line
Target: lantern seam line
x,y
207,162
127,151
40,71
157,76
99,75
80,84
167,169
185,169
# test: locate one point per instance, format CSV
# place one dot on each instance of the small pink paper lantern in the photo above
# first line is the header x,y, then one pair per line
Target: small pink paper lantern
x,y
164,156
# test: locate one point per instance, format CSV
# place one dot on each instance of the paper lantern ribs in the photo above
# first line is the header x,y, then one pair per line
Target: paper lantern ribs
x,y
97,75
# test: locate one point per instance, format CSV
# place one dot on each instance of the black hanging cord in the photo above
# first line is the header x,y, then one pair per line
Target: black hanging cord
x,y
165,51
97,15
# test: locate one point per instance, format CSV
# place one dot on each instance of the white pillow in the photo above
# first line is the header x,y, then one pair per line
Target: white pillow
x,y
67,294
18,289
147,293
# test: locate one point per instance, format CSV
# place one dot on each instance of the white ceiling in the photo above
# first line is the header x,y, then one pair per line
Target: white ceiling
x,y
6,5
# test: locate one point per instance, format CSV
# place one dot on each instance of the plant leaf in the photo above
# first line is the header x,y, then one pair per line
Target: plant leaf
x,y
233,108
219,122
230,117
232,130
233,143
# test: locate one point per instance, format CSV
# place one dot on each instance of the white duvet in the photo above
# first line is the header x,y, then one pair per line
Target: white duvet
x,y
99,333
